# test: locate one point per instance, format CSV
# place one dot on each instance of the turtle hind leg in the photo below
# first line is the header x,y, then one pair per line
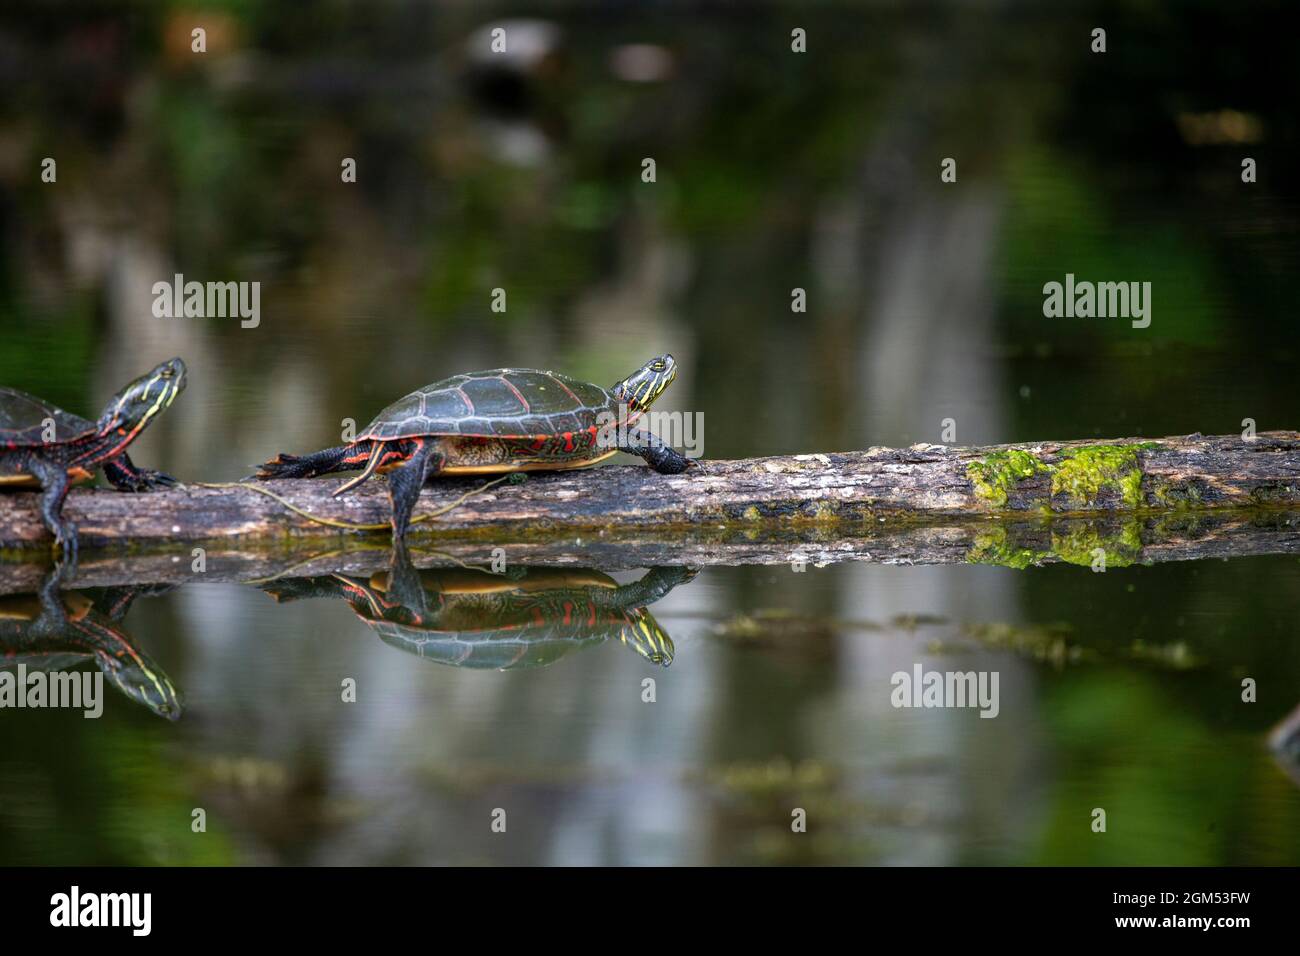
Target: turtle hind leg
x,y
405,482
317,463
126,476
661,457
284,590
404,585
54,489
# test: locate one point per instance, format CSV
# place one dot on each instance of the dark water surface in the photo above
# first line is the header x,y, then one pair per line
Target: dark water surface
x,y
1119,690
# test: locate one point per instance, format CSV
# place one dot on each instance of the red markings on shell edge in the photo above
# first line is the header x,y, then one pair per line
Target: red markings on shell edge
x,y
566,388
518,394
469,402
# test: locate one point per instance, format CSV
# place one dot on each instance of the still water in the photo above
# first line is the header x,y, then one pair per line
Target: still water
x,y
1119,691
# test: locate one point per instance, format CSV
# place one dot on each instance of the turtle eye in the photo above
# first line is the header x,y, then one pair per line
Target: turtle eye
x,y
168,373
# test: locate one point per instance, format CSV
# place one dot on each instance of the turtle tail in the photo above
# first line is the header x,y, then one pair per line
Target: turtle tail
x,y
376,456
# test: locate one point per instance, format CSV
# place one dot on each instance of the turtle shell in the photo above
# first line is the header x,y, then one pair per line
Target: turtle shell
x,y
23,418
503,649
492,623
500,403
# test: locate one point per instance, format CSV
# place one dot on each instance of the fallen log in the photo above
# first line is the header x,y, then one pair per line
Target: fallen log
x,y
813,497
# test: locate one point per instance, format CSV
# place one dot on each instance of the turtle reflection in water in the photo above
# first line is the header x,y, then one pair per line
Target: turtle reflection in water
x,y
58,630
529,618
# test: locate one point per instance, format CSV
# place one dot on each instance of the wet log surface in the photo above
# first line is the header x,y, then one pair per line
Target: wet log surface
x,y
924,503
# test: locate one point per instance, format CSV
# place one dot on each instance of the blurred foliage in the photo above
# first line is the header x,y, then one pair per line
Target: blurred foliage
x,y
141,814
1059,223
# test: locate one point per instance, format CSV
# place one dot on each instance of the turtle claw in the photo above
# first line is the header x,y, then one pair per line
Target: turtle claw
x,y
680,573
673,575
153,480
66,542
143,479
281,466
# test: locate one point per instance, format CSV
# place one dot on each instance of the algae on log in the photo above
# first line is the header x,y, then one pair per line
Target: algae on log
x,y
840,494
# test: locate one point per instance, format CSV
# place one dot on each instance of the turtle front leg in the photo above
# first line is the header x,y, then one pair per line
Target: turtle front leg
x,y
54,489
405,482
661,457
655,584
126,476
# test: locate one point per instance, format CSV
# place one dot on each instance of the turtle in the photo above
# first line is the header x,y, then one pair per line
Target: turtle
x,y
476,619
43,445
500,420
54,630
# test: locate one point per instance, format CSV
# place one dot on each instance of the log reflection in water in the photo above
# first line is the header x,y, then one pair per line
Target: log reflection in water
x,y
1124,541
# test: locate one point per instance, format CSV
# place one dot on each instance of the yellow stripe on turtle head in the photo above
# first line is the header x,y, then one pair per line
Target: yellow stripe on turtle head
x,y
643,634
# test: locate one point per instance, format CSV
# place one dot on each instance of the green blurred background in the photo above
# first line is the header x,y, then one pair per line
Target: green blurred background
x,y
775,170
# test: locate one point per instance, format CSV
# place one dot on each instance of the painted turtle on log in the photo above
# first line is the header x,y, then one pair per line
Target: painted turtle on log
x,y
502,420
43,445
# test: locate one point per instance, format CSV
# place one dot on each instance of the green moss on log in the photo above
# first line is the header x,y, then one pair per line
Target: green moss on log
x,y
1080,544
1084,473
996,475
995,546
1074,542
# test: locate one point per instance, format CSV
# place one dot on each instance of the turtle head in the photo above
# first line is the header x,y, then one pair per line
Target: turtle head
x,y
139,678
643,634
640,389
134,407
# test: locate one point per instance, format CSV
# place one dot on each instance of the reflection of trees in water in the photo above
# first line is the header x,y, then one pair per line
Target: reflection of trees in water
x,y
910,260
586,771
